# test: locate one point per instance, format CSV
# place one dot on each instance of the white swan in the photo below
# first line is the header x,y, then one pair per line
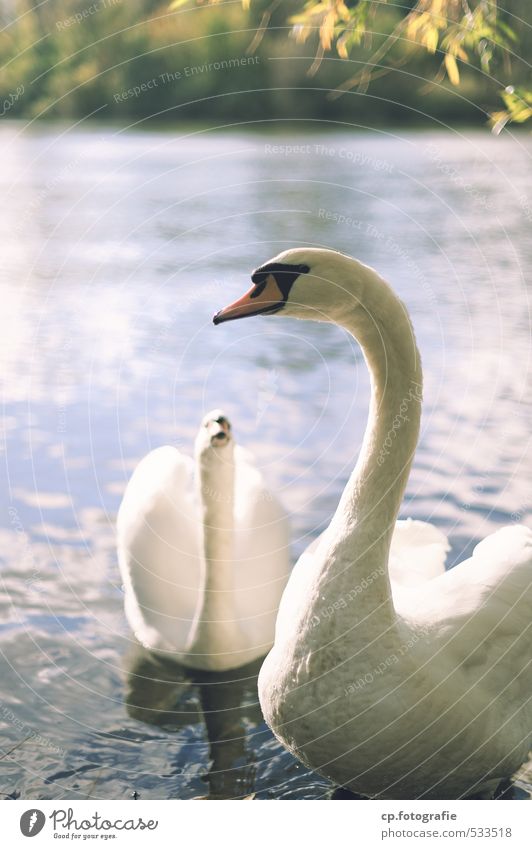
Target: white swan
x,y
423,691
204,552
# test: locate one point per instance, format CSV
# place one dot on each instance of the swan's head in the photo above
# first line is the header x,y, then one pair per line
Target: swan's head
x,y
214,433
302,283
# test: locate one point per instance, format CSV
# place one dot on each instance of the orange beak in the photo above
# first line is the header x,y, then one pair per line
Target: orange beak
x,y
265,297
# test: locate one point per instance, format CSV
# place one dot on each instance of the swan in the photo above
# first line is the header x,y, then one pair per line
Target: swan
x,y
413,689
203,550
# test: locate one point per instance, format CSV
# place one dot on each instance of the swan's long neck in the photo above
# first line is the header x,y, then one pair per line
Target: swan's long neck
x,y
214,625
357,543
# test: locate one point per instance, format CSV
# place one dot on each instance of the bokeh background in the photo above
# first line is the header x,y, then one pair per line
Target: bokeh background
x,y
127,219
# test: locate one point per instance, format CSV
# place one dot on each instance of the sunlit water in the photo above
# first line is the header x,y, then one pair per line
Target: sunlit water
x,y
117,249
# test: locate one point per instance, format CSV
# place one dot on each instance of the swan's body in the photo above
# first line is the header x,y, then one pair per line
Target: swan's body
x,y
203,551
423,690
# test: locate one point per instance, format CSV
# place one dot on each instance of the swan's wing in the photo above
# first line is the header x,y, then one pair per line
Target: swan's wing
x,y
469,637
417,553
158,544
502,564
262,550
479,611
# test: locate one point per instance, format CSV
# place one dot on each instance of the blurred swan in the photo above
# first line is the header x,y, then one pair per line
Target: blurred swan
x,y
203,549
403,690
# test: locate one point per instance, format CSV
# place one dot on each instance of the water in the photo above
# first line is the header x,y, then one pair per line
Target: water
x,y
117,249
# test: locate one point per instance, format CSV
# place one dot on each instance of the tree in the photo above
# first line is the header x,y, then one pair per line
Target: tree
x,y
458,33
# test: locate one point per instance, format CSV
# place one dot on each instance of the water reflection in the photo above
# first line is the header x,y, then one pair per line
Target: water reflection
x,y
170,696
117,249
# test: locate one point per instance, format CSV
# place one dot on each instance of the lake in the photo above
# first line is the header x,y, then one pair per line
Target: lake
x,y
118,247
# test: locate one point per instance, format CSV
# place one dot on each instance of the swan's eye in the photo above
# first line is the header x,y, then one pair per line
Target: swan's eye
x,y
284,273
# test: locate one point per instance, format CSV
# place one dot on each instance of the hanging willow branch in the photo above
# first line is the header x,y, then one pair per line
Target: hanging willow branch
x,y
463,32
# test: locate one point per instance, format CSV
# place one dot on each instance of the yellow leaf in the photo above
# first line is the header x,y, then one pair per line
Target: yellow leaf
x,y
177,3
301,33
342,10
342,49
327,30
245,4
452,69
498,121
430,39
416,22
521,114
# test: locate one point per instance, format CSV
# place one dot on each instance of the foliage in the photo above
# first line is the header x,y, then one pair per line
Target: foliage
x,y
518,102
462,32
127,61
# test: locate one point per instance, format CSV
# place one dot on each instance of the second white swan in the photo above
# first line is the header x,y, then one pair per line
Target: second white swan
x,y
203,549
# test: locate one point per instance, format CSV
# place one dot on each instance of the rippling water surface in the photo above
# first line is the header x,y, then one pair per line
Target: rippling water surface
x,y
117,249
